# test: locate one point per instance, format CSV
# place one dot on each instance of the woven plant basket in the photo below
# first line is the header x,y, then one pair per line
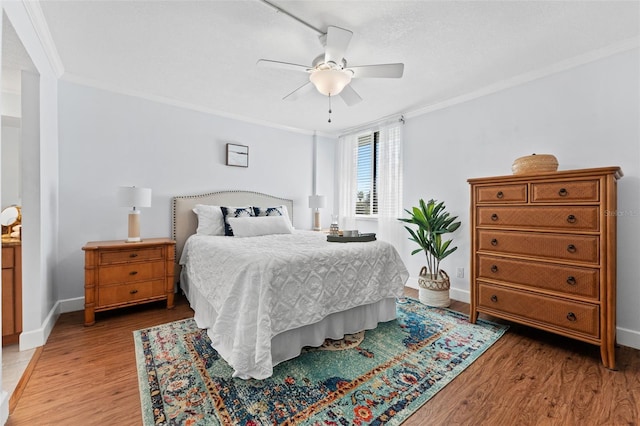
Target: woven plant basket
x,y
534,163
434,292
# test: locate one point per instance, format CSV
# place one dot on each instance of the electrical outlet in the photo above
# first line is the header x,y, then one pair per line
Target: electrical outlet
x,y
460,272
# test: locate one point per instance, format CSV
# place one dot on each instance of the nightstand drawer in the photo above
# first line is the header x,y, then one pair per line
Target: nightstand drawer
x,y
126,293
560,313
516,193
108,257
131,272
562,192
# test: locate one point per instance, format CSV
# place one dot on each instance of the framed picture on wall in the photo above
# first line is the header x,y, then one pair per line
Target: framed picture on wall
x,y
237,155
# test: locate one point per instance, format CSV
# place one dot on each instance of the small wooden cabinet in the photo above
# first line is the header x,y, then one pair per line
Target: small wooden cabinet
x,y
543,252
119,274
11,290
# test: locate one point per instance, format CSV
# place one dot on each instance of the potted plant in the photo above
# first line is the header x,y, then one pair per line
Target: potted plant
x,y
433,222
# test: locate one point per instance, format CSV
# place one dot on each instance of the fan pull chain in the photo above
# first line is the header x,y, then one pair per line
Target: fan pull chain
x,y
329,107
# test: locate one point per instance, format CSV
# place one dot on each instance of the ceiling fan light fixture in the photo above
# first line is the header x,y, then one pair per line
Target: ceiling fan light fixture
x,y
330,82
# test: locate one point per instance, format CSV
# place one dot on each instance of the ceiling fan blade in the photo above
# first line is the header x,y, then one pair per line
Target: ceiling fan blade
x,y
350,96
336,45
299,92
282,65
378,71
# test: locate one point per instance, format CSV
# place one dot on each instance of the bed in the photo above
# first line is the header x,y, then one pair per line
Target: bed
x,y
263,298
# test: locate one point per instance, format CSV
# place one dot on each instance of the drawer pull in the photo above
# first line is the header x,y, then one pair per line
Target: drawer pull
x,y
133,255
571,219
494,242
494,298
571,316
563,192
494,268
494,217
571,280
134,291
499,194
133,272
571,248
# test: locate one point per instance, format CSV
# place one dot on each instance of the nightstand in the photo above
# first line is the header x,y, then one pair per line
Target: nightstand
x,y
119,274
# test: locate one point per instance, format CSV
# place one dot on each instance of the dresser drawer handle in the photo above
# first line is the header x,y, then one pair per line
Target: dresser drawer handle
x,y
133,272
563,192
571,219
571,280
133,255
133,291
494,242
499,194
494,217
571,316
494,298
494,268
571,248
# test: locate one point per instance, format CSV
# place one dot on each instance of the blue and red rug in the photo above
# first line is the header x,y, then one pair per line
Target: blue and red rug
x,y
379,379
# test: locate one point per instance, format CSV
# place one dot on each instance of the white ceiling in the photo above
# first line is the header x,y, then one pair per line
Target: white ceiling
x,y
203,54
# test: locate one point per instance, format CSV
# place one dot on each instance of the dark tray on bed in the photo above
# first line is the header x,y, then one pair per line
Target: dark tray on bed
x,y
362,238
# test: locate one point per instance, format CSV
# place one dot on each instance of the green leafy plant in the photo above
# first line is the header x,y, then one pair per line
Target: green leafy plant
x,y
433,222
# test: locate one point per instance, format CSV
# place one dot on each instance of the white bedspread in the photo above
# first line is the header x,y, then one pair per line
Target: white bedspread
x,y
262,286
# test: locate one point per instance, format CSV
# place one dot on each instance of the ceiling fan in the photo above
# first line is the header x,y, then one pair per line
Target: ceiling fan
x,y
329,72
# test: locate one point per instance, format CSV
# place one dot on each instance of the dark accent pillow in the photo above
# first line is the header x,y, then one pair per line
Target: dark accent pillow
x,y
269,211
234,212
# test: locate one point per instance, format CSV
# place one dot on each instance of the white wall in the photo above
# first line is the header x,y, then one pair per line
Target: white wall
x,y
108,140
587,117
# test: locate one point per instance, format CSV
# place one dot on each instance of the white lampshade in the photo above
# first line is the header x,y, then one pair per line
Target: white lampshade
x,y
317,201
132,196
330,82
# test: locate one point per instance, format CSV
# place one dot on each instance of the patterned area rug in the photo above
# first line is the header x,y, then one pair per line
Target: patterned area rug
x,y
380,377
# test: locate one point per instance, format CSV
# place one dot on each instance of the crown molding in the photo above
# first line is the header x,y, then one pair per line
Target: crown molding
x,y
34,11
591,56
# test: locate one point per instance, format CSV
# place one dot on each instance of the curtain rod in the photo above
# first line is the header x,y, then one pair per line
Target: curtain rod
x,y
373,124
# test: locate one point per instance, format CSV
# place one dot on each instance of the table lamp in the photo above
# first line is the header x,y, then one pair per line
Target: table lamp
x,y
134,197
316,202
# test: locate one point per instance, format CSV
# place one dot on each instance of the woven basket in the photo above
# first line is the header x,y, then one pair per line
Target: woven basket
x,y
434,292
535,163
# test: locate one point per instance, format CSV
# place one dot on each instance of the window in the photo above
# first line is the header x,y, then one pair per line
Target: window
x,y
367,174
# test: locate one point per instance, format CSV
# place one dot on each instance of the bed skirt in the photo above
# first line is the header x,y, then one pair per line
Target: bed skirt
x,y
287,345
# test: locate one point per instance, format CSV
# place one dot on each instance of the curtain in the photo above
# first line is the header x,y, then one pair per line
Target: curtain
x,y
390,184
347,178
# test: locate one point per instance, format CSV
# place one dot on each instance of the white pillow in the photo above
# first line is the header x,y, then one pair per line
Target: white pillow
x,y
210,220
260,225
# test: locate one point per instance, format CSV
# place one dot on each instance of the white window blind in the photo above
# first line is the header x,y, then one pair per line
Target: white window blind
x,y
367,174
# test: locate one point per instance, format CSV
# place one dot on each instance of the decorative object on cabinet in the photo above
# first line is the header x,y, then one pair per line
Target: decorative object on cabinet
x,y
131,196
11,290
237,155
534,163
10,218
317,202
543,253
433,222
118,274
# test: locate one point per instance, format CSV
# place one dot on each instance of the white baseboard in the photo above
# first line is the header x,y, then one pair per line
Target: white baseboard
x,y
38,337
4,407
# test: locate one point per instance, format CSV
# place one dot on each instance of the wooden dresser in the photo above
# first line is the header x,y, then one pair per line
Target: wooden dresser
x,y
119,274
11,290
543,252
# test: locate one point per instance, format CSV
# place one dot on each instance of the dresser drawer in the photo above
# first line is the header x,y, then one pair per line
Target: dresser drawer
x,y
562,192
579,248
579,218
565,314
108,257
516,193
131,272
569,281
126,293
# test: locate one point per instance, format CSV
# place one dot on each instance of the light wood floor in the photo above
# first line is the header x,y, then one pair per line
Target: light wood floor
x,y
87,376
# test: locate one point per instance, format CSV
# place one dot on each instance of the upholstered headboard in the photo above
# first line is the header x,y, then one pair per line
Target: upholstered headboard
x,y
184,221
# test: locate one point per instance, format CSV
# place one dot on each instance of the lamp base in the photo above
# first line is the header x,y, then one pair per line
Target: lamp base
x,y
134,227
316,221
